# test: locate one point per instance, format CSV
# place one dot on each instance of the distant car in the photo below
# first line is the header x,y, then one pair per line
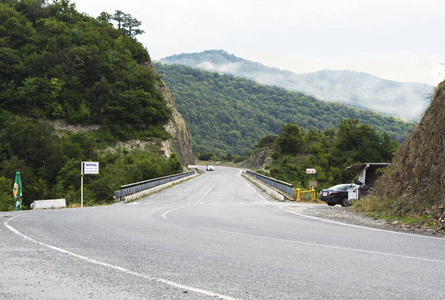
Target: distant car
x,y
210,167
337,194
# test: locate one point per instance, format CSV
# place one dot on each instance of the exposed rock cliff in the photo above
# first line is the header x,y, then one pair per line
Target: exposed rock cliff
x,y
259,158
181,143
415,181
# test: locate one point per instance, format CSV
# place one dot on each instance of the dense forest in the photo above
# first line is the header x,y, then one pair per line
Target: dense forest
x,y
228,114
329,152
56,63
406,100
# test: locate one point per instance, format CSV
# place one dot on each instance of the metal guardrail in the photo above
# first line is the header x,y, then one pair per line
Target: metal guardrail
x,y
134,188
282,186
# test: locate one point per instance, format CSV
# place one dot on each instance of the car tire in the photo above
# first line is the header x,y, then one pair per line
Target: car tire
x,y
345,202
331,204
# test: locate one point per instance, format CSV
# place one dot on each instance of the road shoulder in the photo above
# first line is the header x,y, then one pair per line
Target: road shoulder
x,y
349,216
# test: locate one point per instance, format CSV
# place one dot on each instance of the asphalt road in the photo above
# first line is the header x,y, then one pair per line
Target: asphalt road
x,y
212,237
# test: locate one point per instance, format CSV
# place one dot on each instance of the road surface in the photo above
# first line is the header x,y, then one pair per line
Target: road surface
x,y
213,237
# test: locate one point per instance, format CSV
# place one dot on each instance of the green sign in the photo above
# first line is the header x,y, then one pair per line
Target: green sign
x,y
17,191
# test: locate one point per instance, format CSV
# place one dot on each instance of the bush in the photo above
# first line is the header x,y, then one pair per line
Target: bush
x,y
206,156
7,201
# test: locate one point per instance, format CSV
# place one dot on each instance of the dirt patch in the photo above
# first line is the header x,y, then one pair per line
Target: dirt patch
x,y
349,216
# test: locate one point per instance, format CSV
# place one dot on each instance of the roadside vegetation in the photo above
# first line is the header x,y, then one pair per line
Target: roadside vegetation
x,y
49,162
329,152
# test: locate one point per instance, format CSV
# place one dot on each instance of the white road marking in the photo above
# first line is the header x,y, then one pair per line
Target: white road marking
x,y
164,215
327,246
117,268
264,199
361,227
345,224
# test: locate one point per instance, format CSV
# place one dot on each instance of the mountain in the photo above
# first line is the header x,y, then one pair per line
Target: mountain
x,y
360,90
231,114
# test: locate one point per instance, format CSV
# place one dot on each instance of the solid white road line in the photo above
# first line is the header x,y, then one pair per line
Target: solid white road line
x,y
344,224
328,246
117,268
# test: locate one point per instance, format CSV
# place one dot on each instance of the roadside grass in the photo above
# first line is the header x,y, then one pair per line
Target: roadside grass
x,y
377,207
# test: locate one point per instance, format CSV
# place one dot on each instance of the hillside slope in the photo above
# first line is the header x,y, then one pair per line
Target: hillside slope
x,y
56,63
415,181
73,89
228,114
360,90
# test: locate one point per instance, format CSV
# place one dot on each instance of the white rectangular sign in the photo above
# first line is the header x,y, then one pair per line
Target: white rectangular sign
x,y
311,171
91,167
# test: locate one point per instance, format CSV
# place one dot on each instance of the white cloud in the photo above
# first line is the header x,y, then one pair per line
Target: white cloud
x,y
400,39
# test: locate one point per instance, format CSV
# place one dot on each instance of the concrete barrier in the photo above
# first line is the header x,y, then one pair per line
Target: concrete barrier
x,y
48,204
270,191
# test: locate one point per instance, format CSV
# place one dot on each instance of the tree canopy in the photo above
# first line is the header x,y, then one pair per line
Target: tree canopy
x,y
57,63
329,152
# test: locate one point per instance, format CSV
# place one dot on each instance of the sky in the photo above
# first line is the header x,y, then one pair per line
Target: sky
x,y
400,40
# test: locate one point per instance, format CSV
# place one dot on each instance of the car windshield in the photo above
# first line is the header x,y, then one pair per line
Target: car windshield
x,y
341,187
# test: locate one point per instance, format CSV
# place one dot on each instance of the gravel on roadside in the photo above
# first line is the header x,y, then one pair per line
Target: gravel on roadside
x,y
349,216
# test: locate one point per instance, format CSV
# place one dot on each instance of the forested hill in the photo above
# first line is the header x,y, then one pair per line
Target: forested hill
x,y
57,63
406,100
229,114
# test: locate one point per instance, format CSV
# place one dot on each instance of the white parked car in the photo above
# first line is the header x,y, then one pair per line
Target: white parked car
x,y
210,167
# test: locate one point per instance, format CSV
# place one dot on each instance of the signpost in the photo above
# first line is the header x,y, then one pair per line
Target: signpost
x,y
87,167
312,184
311,171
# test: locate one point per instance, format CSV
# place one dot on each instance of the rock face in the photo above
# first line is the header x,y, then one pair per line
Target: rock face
x,y
181,143
258,159
415,181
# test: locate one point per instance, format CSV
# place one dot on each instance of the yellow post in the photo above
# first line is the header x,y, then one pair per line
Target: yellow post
x,y
297,190
313,192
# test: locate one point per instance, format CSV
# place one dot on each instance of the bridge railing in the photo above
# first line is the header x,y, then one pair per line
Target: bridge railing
x,y
137,187
281,186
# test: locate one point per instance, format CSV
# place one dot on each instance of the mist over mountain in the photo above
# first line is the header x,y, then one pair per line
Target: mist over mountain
x,y
231,114
406,100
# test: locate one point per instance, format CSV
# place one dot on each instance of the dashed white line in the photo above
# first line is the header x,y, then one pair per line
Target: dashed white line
x,y
164,215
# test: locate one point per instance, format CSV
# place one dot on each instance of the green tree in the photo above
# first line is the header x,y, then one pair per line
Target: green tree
x,y
291,139
6,197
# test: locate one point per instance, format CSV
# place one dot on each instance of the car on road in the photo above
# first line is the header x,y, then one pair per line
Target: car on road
x,y
210,167
337,194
